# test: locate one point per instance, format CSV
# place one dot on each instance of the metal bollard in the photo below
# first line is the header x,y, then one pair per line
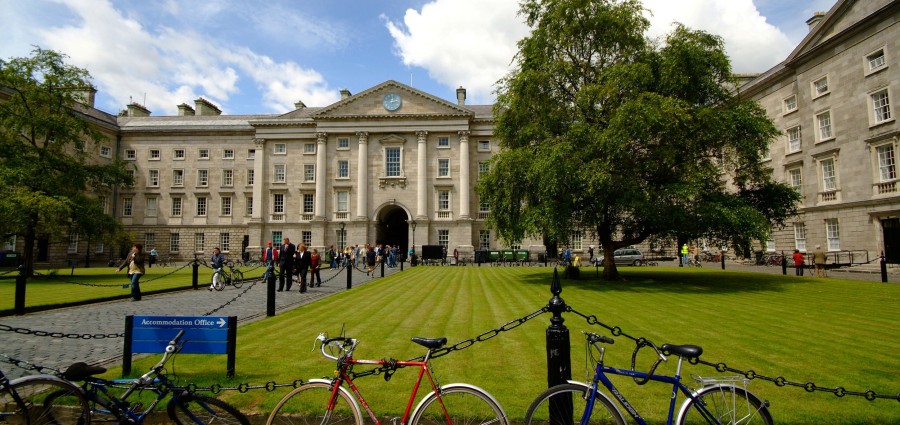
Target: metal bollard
x,y
723,260
194,276
559,363
382,267
883,268
349,280
783,264
270,292
20,291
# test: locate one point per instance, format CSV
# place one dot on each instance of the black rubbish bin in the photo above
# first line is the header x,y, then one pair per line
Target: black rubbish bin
x,y
759,257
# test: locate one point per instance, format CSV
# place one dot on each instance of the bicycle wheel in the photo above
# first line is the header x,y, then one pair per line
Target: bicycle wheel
x,y
464,404
237,278
308,405
218,280
43,399
728,404
564,404
190,409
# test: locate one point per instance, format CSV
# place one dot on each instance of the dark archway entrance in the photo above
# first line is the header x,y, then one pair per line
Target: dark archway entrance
x,y
392,228
891,228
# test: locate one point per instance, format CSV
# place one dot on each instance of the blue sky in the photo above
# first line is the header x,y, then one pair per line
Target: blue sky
x,y
261,56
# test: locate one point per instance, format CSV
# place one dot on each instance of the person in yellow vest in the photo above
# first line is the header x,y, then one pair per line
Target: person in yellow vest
x,y
685,253
577,262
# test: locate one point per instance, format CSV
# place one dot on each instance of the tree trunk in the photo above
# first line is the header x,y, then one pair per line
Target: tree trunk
x,y
610,272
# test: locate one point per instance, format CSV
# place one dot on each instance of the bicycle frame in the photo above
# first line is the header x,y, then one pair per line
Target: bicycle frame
x,y
96,391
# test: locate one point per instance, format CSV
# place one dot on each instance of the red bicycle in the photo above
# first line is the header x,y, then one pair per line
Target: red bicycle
x,y
337,401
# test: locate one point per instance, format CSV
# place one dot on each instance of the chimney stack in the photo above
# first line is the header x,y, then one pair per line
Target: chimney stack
x,y
185,110
86,95
461,96
137,110
816,18
345,94
299,105
205,107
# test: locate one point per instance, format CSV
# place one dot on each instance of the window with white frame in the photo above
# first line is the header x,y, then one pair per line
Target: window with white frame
x,y
833,234
887,170
174,242
225,242
306,237
876,61
149,240
484,239
444,239
881,106
483,167
280,149
73,243
153,178
790,104
99,248
105,151
201,206
770,245
251,153
199,242
577,240
795,178
176,206
823,123
800,236
443,142
820,87
392,162
10,243
127,206
130,154
829,175
154,154
443,167
178,178
249,209
202,178
309,172
443,201
203,154
343,169
309,148
484,145
793,138
104,204
228,154
227,178
343,201
308,203
278,203
250,176
343,143
280,176
178,154
226,205
484,210
152,203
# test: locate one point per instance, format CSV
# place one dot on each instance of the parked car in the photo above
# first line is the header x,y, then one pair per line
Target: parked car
x,y
625,257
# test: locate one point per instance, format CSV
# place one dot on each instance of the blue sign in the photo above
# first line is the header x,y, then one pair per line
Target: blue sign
x,y
203,334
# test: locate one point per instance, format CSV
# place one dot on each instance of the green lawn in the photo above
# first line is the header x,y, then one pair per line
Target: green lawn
x,y
828,331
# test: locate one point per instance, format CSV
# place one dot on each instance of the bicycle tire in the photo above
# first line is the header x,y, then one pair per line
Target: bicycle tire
x,y
237,279
218,284
464,404
308,405
546,409
730,405
190,409
45,400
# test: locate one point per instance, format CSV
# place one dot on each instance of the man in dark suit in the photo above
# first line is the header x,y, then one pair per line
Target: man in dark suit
x,y
286,264
302,263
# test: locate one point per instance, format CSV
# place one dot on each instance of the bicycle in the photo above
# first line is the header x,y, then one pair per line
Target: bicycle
x,y
232,276
337,401
25,401
720,400
183,408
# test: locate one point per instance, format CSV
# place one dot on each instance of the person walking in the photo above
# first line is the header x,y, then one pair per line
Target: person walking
x,y
302,265
154,255
286,264
217,261
135,263
798,262
370,262
685,255
315,262
819,260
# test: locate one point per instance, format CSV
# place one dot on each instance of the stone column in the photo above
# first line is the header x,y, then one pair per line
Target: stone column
x,y
259,199
421,175
362,172
319,212
464,182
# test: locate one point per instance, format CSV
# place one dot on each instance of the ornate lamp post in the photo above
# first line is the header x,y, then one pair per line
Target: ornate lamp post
x,y
343,236
412,224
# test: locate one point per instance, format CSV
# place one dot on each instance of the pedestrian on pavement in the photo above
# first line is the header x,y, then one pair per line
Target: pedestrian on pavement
x,y
301,265
332,257
370,261
798,262
217,261
685,255
154,255
135,263
286,264
819,260
315,262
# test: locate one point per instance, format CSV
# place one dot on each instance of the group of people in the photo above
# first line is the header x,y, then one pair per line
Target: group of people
x,y
819,260
293,261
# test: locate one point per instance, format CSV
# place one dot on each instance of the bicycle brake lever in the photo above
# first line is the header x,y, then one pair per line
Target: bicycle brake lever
x,y
321,338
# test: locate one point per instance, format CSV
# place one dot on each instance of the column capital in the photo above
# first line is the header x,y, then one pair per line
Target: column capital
x,y
421,135
321,136
464,135
362,136
260,143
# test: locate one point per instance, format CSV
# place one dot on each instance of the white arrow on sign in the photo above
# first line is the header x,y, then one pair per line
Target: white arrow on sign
x,y
221,322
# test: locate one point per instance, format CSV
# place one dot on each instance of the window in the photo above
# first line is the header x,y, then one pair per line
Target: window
x,y
443,203
225,242
306,237
770,246
886,169
443,167
308,203
130,154
309,148
178,154
105,151
154,154
343,169
201,206
277,239
203,154
790,104
104,204
10,243
151,207
279,173
228,154
484,145
484,210
343,201
127,207
820,87
309,172
153,178
99,248
343,143
829,176
823,121
443,142
795,178
800,236
278,203
149,240
130,174
833,233
202,178
881,106
793,136
226,205
444,239
250,205
250,176
280,149
876,60
483,167
174,241
73,243
176,207
251,153
484,239
178,178
227,178
577,240
392,162
199,242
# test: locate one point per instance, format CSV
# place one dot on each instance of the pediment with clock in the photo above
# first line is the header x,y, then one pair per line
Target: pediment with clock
x,y
391,99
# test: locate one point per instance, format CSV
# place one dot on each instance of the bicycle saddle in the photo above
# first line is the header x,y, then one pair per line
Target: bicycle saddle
x,y
683,350
432,343
81,371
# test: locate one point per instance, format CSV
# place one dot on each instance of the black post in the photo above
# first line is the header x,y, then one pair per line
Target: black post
x,y
783,264
401,264
126,350
883,268
232,346
270,291
559,363
349,280
722,254
195,279
382,265
20,291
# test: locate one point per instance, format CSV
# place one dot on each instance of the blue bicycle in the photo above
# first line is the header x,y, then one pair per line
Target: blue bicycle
x,y
720,400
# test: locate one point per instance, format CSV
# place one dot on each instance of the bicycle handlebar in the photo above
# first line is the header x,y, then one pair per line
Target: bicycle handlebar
x,y
344,344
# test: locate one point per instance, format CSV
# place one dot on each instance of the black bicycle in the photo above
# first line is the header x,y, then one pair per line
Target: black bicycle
x,y
27,400
232,276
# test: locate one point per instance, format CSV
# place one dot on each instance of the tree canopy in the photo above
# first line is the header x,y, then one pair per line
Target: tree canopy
x,y
50,170
605,130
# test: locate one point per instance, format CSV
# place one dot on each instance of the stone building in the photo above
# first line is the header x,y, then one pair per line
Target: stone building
x,y
833,99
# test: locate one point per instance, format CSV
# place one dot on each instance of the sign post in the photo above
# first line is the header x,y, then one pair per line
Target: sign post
x,y
203,335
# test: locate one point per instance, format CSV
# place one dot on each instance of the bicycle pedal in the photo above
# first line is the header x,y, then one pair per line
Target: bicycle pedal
x,y
395,421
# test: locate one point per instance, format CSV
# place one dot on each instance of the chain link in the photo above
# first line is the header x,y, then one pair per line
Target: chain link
x,y
750,374
210,313
25,331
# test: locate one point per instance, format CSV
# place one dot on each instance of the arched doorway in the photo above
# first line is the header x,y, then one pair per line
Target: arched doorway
x,y
392,228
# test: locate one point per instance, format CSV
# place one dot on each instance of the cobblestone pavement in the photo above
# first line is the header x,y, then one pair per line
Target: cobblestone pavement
x,y
109,318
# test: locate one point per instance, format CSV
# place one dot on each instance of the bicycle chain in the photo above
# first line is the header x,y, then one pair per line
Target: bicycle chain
x,y
750,374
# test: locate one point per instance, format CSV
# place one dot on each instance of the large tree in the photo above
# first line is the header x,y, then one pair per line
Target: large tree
x,y
604,129
50,172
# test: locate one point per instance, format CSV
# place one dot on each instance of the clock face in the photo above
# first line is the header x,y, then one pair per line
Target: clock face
x,y
392,102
